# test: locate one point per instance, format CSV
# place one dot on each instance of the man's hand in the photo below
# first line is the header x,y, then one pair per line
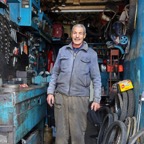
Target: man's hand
x,y
95,106
50,99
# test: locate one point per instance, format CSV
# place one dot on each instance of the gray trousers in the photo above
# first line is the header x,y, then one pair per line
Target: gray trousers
x,y
70,118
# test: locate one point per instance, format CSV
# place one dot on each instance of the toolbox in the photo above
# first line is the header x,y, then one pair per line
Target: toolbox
x,y
22,115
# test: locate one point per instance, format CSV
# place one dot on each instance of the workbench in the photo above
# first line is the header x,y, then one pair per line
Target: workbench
x,y
22,115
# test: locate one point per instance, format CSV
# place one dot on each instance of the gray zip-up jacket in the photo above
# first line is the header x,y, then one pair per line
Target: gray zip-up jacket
x,y
73,72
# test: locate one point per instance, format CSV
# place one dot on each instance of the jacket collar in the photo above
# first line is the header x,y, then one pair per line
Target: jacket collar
x,y
84,47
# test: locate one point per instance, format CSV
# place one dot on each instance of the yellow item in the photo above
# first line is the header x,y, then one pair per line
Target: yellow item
x,y
125,85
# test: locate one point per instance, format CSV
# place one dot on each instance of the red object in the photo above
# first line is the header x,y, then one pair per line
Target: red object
x,y
50,60
57,30
109,68
25,49
105,61
120,68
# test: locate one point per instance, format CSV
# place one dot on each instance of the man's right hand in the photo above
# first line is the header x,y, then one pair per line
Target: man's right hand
x,y
50,99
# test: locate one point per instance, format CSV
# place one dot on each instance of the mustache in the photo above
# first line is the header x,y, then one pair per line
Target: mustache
x,y
76,39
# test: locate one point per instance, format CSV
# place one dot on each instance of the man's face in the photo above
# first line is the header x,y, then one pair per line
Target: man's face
x,y
78,35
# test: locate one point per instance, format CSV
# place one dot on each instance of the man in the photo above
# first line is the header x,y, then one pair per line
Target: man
x,y
69,89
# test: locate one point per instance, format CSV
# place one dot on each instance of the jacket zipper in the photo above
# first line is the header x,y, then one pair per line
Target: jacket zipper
x,y
74,56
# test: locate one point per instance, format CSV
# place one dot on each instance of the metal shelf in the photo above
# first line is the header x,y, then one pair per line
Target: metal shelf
x,y
13,1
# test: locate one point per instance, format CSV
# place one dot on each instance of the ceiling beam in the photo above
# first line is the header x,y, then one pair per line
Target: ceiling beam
x,y
80,9
76,2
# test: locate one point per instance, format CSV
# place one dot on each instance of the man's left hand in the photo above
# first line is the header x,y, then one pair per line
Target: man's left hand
x,y
95,106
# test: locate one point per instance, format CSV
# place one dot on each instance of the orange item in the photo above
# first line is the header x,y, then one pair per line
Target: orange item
x,y
109,68
120,68
25,48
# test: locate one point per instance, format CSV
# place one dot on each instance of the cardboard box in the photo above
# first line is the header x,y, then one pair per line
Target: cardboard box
x,y
125,85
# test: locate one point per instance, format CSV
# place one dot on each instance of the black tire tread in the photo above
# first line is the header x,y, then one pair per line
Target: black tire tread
x,y
124,107
119,124
131,106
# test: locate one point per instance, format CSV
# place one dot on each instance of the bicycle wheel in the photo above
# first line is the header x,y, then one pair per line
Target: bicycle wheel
x,y
119,129
105,124
118,104
131,105
128,126
133,127
137,138
124,106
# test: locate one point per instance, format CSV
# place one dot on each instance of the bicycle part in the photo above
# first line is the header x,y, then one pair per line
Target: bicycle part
x,y
110,44
123,40
118,28
120,133
118,104
133,139
128,126
134,126
131,99
124,107
108,120
127,48
115,116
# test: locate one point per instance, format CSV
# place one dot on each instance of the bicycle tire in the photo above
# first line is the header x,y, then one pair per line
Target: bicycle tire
x,y
115,116
118,104
116,125
124,107
105,124
133,127
131,106
133,139
128,126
